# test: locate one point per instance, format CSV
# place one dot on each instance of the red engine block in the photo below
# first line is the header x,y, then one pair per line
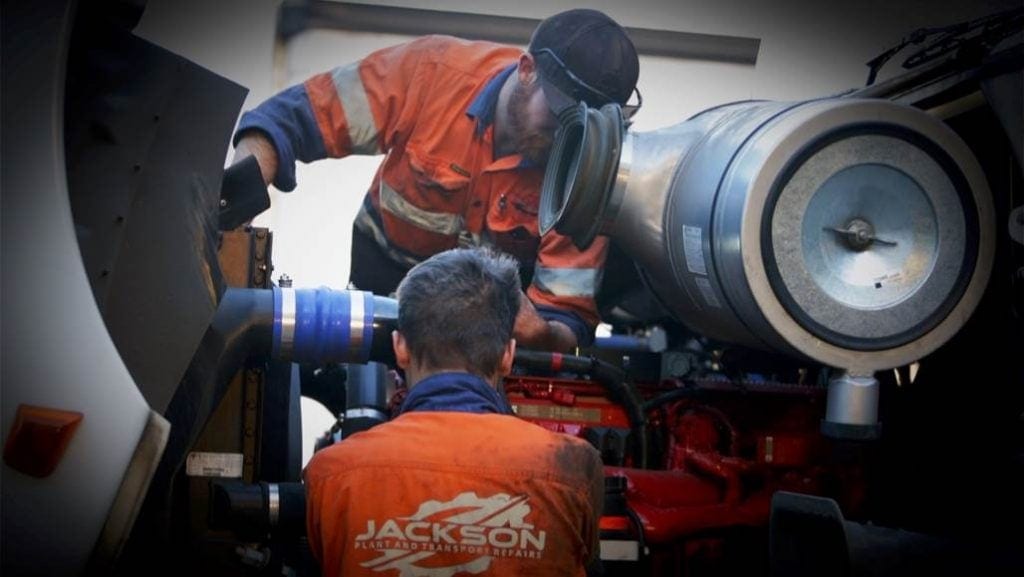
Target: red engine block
x,y
716,457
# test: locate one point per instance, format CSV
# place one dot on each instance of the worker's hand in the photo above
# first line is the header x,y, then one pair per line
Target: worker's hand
x,y
533,331
255,143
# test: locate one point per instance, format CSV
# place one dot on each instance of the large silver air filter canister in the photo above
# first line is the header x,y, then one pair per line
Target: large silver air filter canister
x,y
857,233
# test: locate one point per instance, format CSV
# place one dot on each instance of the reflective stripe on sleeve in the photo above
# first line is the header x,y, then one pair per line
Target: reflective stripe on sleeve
x,y
365,223
470,239
567,282
437,222
362,130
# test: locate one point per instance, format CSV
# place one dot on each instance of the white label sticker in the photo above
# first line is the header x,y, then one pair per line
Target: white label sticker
x,y
619,550
693,249
707,292
888,278
227,465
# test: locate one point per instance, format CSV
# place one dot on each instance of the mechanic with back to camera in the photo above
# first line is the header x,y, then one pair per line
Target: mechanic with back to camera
x,y
456,483
466,128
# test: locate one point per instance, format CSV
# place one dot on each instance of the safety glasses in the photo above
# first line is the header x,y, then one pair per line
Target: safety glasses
x,y
582,88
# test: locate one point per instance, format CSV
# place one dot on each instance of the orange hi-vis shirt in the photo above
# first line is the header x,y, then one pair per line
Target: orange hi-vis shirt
x,y
454,493
428,105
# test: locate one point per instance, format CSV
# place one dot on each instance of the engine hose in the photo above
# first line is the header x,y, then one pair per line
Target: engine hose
x,y
670,397
640,535
612,378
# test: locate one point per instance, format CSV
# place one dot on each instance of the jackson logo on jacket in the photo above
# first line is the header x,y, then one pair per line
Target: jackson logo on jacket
x,y
464,535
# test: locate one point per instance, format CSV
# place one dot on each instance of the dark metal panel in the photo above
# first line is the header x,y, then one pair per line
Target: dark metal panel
x,y
300,15
956,73
1005,94
146,136
280,435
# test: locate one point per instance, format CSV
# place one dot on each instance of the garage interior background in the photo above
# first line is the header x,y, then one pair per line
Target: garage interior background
x,y
806,49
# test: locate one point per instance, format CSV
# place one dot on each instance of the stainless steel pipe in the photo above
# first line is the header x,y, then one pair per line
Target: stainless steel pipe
x,y
858,233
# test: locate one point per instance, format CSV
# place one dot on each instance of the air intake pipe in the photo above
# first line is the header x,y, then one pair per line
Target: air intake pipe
x,y
857,233
300,325
303,325
330,326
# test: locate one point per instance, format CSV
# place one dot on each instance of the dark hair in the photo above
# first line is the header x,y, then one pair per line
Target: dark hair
x,y
457,309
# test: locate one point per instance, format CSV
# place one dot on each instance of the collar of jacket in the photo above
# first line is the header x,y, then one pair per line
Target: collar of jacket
x,y
458,392
485,103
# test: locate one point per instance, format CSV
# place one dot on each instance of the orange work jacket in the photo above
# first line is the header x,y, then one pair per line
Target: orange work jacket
x,y
428,105
446,492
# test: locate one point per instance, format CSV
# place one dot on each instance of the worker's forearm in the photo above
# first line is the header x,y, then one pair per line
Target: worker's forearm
x,y
547,336
255,143
560,338
533,331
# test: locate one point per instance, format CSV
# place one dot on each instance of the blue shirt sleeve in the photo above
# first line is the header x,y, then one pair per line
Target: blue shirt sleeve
x,y
584,336
287,120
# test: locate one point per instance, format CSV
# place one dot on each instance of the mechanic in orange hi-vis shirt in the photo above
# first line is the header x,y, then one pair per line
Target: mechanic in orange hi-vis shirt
x,y
466,128
455,484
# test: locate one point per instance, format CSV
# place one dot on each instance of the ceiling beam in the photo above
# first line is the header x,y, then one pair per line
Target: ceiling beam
x,y
298,16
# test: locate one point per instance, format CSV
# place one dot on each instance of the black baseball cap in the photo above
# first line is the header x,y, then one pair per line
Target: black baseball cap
x,y
583,55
